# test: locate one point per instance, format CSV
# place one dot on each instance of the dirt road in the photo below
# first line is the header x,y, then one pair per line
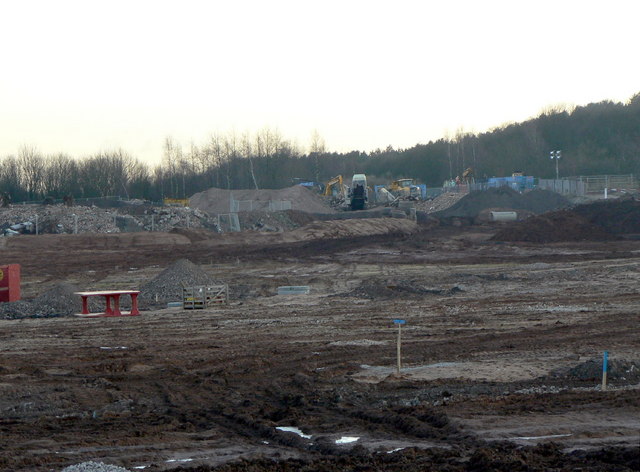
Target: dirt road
x,y
496,350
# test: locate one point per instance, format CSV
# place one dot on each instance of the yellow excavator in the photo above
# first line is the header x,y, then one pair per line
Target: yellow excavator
x,y
334,187
467,176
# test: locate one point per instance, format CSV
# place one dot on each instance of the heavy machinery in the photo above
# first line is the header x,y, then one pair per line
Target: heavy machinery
x,y
405,188
334,187
358,192
467,176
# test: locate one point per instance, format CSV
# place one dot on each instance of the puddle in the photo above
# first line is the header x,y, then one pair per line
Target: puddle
x,y
293,429
347,439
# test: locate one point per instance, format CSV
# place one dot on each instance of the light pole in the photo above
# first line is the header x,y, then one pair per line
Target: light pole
x,y
556,155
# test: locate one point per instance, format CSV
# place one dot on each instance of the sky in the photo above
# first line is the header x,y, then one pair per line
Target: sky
x,y
82,77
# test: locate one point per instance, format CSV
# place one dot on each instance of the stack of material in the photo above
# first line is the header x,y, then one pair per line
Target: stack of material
x,y
167,286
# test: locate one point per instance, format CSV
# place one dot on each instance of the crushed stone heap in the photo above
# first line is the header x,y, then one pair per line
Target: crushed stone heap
x,y
167,286
59,300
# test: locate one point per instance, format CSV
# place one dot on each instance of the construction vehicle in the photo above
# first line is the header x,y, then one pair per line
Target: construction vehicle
x,y
358,193
405,188
176,202
467,176
334,187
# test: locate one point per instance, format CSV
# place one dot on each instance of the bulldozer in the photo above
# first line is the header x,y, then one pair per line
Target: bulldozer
x,y
405,188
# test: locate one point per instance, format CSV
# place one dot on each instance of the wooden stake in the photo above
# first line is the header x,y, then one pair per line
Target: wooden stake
x,y
399,323
604,369
399,349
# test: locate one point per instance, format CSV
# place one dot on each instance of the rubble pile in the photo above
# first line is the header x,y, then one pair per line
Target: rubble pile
x,y
55,219
167,286
59,219
273,221
167,218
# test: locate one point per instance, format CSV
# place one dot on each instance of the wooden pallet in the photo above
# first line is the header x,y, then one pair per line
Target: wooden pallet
x,y
202,296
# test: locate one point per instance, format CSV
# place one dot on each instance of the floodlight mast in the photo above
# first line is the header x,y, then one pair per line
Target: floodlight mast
x,y
556,155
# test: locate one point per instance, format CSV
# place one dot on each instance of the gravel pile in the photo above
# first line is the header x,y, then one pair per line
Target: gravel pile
x,y
441,202
57,301
167,286
94,467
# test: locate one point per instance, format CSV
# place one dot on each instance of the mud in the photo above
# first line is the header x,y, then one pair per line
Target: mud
x,y
499,355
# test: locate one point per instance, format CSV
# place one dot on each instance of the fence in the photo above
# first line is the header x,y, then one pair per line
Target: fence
x,y
203,296
236,206
228,222
591,184
597,183
563,186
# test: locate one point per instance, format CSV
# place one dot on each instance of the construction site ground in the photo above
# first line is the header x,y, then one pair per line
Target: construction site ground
x,y
501,354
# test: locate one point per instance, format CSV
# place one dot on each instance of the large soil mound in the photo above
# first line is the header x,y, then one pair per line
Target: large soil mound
x,y
505,198
217,200
599,221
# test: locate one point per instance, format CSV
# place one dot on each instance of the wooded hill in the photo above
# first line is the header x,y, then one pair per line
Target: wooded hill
x,y
599,138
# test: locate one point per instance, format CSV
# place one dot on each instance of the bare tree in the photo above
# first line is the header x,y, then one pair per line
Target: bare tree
x,y
247,152
60,176
32,166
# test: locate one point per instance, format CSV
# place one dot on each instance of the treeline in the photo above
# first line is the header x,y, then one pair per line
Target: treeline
x,y
599,138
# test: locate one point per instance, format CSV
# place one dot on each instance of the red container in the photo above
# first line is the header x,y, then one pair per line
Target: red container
x,y
10,283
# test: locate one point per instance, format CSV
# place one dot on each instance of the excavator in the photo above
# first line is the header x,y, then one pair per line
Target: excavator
x,y
334,187
467,176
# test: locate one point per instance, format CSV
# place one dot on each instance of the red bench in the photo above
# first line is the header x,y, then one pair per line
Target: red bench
x,y
112,301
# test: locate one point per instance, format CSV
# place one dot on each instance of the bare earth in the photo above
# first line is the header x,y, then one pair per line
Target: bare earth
x,y
492,332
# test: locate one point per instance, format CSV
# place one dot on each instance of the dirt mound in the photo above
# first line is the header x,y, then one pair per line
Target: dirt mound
x,y
598,221
535,201
167,286
351,228
620,216
558,226
217,200
617,370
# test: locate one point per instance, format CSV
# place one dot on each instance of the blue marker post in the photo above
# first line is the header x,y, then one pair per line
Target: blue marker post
x,y
605,359
399,323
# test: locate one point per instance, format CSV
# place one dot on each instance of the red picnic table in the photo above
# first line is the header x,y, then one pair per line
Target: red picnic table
x,y
109,296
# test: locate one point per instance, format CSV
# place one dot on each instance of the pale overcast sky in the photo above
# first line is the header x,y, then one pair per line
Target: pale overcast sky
x,y
86,76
